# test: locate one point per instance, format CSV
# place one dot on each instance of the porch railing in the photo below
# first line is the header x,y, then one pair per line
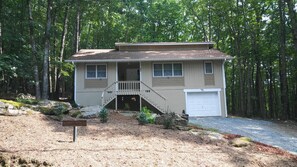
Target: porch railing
x,y
134,88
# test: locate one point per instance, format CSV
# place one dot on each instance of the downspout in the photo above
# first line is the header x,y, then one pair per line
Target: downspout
x,y
224,88
75,77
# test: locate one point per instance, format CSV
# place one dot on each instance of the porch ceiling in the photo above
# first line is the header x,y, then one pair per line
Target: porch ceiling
x,y
112,55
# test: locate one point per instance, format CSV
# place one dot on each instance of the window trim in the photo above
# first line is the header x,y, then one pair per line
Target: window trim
x,y
172,65
86,71
211,67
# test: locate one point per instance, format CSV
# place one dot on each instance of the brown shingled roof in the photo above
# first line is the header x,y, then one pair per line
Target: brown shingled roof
x,y
110,55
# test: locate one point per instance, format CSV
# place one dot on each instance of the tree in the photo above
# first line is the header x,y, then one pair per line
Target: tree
x,y
46,52
34,51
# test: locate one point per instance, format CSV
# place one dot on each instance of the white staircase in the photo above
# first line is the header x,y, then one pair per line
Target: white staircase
x,y
134,88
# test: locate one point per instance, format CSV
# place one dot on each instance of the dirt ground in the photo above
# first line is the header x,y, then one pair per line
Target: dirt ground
x,y
122,142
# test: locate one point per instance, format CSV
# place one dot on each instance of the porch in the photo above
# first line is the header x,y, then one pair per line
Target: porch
x,y
128,88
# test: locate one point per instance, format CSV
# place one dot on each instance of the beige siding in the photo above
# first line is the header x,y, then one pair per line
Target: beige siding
x,y
209,79
88,91
169,81
95,83
193,79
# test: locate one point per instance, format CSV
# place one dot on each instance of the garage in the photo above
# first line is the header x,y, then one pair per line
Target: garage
x,y
203,103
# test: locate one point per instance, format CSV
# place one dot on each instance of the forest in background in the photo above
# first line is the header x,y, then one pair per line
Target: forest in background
x,y
36,36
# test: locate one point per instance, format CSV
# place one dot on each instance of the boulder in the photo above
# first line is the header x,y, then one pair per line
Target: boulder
x,y
241,142
51,104
2,105
2,111
178,120
90,111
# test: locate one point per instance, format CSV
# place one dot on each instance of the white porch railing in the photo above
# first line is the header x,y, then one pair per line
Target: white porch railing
x,y
134,88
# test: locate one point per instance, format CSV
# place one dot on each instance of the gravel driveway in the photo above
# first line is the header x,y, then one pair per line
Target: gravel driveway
x,y
283,135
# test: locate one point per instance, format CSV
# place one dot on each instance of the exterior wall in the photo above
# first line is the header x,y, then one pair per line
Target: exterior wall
x,y
171,88
88,91
193,78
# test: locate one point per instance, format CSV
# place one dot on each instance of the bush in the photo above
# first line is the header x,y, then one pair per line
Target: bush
x,y
149,116
169,119
57,110
145,116
103,114
27,101
142,119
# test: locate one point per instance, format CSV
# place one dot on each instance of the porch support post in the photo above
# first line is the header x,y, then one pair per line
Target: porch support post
x,y
140,103
116,102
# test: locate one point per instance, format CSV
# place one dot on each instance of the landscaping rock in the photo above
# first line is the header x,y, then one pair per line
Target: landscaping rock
x,y
2,105
241,142
178,120
51,104
90,111
2,111
15,112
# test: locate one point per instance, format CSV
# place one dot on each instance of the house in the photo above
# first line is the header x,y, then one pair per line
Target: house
x,y
166,76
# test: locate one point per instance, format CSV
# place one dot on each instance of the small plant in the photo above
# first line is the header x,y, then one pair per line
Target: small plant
x,y
145,116
149,116
59,109
142,119
103,114
169,119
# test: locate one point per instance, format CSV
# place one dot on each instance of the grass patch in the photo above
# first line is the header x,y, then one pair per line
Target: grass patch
x,y
15,104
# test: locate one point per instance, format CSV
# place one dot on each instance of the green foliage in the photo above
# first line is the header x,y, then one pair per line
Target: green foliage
x,y
103,114
145,116
57,110
149,116
142,119
27,101
13,103
169,119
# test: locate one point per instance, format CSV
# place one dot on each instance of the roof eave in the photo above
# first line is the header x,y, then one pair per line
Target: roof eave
x,y
145,60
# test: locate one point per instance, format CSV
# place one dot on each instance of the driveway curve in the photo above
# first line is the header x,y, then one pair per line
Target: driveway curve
x,y
282,135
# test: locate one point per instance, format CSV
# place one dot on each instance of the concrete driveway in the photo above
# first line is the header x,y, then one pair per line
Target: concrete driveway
x,y
282,135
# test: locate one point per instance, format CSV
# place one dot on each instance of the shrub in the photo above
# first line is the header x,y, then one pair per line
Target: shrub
x,y
169,119
103,114
149,116
145,116
57,110
27,101
142,119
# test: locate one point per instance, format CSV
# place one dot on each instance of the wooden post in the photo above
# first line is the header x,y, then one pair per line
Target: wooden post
x,y
74,123
74,133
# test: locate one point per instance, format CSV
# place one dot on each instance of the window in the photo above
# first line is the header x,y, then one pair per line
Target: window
x,y
95,71
168,70
208,68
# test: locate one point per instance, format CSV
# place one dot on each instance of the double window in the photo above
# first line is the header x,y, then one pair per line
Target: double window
x,y
96,71
168,70
208,68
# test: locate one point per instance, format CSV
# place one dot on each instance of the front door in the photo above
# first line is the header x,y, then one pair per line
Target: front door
x,y
128,71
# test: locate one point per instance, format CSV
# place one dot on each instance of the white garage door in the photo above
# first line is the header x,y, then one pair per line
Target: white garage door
x,y
203,104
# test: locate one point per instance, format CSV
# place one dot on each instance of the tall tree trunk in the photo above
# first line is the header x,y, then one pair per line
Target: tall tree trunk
x,y
292,15
282,62
63,39
77,31
34,51
46,51
1,49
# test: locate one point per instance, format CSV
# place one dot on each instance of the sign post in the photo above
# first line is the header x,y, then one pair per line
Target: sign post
x,y
74,123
